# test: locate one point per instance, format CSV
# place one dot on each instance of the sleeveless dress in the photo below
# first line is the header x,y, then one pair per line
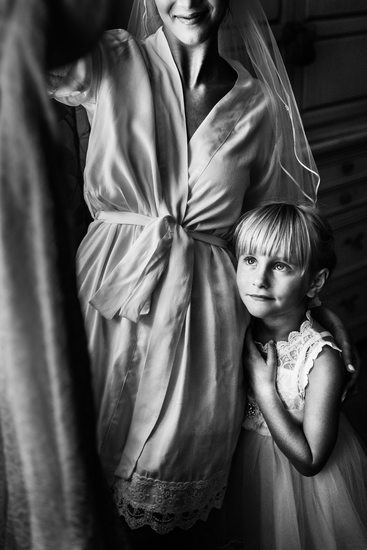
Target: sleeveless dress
x,y
157,281
269,504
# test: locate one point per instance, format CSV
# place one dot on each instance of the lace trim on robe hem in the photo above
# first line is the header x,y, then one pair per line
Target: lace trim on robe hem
x,y
165,505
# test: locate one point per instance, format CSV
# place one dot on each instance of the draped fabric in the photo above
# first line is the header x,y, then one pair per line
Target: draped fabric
x,y
51,490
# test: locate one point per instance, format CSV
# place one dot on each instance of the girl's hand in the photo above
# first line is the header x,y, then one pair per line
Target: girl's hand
x,y
261,374
333,324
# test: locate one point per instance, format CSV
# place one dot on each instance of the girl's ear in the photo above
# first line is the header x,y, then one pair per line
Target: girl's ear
x,y
318,282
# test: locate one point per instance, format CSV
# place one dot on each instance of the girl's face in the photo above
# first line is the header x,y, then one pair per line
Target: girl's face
x,y
270,286
191,22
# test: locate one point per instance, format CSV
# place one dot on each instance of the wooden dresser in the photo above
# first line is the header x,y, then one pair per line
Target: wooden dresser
x,y
325,47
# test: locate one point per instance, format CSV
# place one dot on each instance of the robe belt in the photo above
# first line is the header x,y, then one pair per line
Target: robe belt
x,y
127,289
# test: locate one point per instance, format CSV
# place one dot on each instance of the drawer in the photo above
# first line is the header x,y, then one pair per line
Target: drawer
x,y
350,239
342,167
347,297
336,86
331,8
343,197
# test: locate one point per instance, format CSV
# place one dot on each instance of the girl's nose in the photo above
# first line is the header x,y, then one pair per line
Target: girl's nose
x,y
260,279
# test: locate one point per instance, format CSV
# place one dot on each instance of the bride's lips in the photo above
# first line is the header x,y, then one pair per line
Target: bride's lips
x,y
192,18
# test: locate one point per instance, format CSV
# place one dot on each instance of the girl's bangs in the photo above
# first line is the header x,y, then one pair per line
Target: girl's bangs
x,y
274,234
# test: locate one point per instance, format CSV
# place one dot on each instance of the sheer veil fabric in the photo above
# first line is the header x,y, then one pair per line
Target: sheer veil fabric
x,y
246,36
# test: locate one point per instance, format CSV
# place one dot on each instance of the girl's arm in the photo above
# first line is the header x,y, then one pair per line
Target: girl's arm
x,y
307,445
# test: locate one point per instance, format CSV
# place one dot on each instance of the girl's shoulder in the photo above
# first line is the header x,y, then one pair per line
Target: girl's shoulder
x,y
323,341
311,335
320,350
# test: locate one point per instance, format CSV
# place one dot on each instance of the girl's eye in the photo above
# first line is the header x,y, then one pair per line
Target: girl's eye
x,y
279,266
249,260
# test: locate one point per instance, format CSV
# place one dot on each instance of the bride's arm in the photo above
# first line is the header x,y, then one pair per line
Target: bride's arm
x,y
78,83
333,324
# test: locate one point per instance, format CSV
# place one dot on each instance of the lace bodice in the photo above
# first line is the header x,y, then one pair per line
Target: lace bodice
x,y
296,358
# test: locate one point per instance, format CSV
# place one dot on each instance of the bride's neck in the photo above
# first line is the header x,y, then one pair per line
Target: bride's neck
x,y
197,64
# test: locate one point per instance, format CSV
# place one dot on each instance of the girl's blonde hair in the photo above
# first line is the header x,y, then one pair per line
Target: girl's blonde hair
x,y
295,232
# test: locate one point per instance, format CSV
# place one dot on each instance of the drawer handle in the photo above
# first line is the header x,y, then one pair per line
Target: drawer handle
x,y
356,242
345,198
347,167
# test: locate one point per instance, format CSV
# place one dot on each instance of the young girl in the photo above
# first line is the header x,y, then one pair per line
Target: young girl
x,y
299,479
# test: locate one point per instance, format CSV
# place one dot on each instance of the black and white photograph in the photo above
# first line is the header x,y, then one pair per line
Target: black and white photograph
x,y
183,267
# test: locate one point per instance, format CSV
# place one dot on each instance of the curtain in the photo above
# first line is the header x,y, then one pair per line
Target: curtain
x,y
52,495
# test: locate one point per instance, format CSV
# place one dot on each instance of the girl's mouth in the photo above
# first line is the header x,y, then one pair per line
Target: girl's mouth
x,y
260,297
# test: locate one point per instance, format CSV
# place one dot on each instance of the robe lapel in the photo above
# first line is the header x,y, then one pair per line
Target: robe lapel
x,y
218,125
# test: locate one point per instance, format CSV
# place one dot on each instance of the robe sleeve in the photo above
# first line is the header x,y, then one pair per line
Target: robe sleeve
x,y
79,83
76,83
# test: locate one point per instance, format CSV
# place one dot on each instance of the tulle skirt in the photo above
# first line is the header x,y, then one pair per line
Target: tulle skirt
x,y
270,506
